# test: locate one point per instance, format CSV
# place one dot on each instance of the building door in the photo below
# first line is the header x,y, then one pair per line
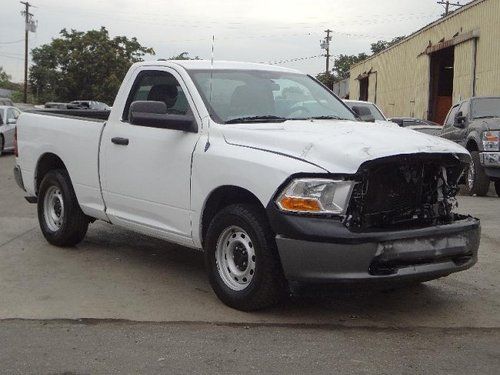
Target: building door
x,y
441,84
363,89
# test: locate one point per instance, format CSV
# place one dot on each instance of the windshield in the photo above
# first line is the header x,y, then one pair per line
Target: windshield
x,y
377,115
239,96
485,107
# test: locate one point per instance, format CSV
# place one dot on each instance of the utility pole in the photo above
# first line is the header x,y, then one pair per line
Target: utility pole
x,y
29,25
447,6
325,44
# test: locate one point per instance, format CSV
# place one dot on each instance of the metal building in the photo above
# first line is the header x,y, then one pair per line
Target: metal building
x,y
451,59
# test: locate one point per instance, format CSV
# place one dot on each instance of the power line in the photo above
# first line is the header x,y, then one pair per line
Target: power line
x,y
12,42
295,59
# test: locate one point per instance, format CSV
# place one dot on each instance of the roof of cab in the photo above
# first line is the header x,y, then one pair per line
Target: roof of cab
x,y
217,65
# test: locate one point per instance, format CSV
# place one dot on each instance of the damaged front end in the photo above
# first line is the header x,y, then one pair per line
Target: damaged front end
x,y
406,191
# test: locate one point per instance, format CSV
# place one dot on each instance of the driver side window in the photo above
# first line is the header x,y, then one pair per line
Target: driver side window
x,y
158,86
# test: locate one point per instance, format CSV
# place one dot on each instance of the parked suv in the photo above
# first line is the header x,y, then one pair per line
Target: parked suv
x,y
475,124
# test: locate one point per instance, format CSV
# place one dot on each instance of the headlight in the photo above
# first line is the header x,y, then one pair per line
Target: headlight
x,y
316,196
491,141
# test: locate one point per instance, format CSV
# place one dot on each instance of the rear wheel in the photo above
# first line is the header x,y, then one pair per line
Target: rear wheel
x,y
477,181
2,144
61,220
242,260
497,187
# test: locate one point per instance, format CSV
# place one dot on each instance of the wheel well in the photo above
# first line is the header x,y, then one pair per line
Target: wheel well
x,y
221,198
47,163
472,146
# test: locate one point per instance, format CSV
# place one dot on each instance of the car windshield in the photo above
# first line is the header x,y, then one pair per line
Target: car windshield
x,y
485,107
239,96
377,115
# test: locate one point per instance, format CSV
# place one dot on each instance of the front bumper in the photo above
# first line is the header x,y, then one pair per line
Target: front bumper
x,y
338,255
491,163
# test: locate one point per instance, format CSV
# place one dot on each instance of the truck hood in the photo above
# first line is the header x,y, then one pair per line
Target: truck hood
x,y
490,123
336,146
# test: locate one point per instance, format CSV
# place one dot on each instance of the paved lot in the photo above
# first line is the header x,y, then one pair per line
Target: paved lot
x,y
142,300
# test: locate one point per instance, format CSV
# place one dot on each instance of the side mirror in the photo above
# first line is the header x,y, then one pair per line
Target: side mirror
x,y
363,113
154,114
460,120
11,121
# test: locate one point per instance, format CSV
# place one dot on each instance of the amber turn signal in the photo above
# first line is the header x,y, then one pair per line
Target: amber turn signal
x,y
300,204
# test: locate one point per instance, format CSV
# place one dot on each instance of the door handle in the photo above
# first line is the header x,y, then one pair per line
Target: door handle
x,y
120,141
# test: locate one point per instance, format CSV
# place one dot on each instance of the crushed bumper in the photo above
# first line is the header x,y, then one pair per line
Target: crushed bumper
x,y
417,254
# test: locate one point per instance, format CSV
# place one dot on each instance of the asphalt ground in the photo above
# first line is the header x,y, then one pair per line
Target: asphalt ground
x,y
121,302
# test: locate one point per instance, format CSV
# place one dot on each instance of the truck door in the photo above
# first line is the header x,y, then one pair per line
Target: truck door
x,y
146,176
449,128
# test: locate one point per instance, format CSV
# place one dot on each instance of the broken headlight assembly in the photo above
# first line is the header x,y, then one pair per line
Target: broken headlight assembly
x,y
491,141
316,196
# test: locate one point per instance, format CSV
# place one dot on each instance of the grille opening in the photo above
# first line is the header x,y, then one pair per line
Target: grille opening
x,y
405,191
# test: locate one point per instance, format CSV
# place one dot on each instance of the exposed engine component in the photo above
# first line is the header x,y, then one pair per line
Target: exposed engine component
x,y
405,191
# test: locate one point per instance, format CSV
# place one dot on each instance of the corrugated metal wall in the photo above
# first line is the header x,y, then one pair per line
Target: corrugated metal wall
x,y
401,75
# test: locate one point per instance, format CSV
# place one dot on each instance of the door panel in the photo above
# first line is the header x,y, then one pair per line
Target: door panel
x,y
146,183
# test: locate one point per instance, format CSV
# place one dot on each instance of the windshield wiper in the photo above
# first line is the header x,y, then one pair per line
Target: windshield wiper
x,y
332,117
267,118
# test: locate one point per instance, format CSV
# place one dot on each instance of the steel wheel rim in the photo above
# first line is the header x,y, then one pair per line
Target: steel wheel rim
x,y
235,258
471,175
53,208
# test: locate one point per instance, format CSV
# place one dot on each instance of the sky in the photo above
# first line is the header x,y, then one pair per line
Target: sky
x,y
269,31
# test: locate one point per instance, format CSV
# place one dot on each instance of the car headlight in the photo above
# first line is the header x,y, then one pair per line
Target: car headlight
x,y
491,141
315,196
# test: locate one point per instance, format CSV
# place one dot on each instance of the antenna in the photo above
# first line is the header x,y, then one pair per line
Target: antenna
x,y
207,145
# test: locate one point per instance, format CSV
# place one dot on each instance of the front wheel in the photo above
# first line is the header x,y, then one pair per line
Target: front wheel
x,y
477,181
61,220
497,187
242,260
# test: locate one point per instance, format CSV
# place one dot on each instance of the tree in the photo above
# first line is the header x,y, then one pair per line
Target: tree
x,y
341,68
83,65
4,78
184,56
342,65
383,44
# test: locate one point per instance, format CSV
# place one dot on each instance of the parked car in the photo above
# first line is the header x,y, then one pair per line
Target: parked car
x,y
91,104
367,111
411,121
8,120
475,124
6,101
274,188
423,126
59,105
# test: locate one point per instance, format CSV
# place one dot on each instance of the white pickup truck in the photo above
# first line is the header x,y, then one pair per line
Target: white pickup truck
x,y
261,167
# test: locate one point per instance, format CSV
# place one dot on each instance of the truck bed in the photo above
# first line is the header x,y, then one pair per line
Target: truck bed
x,y
75,140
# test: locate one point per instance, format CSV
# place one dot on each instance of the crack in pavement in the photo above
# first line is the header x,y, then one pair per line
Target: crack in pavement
x,y
248,325
17,237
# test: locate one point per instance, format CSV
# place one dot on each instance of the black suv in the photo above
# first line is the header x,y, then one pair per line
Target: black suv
x,y
475,124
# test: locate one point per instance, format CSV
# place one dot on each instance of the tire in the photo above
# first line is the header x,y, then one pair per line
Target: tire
x,y
243,231
497,187
61,220
2,144
477,182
